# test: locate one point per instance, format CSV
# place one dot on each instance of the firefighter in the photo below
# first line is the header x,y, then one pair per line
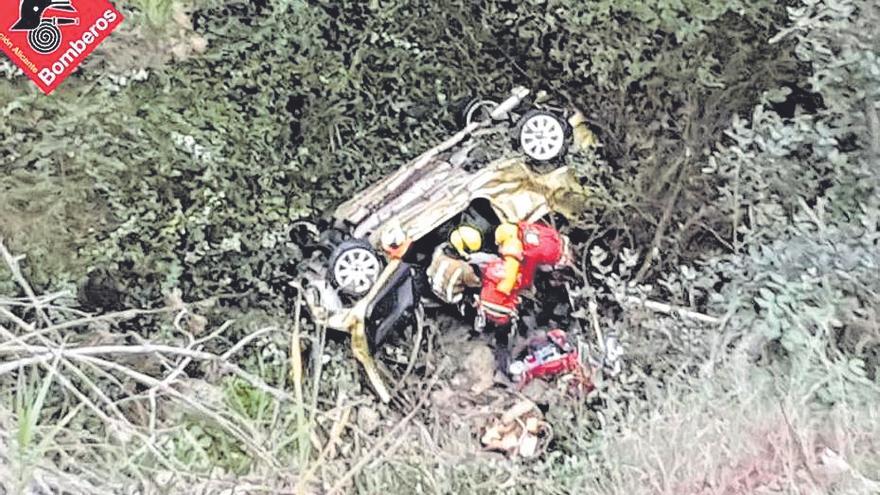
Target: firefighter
x,y
523,247
32,13
455,264
466,239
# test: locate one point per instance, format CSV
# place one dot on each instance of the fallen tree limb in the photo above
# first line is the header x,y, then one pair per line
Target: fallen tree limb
x,y
671,310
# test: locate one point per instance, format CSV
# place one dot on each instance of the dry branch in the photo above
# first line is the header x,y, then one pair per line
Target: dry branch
x,y
669,309
96,378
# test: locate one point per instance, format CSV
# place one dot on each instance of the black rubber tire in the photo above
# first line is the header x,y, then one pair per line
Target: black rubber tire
x,y
460,109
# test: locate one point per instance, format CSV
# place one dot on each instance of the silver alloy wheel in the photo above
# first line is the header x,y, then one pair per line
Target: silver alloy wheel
x,y
356,270
542,137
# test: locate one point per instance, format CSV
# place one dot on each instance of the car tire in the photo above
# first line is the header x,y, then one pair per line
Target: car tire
x,y
354,267
475,110
543,136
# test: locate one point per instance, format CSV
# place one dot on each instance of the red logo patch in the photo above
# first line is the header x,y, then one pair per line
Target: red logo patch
x,y
48,39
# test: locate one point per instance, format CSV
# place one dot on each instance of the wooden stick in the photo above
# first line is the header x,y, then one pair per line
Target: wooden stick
x,y
669,309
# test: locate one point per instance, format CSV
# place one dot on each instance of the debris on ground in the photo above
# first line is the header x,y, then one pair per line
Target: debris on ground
x,y
550,355
519,432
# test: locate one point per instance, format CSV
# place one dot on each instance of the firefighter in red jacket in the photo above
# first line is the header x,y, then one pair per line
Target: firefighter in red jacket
x,y
523,248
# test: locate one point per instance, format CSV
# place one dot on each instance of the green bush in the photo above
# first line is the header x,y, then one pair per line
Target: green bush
x,y
191,174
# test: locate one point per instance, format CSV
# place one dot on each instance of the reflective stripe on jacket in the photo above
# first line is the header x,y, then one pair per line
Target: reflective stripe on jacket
x,y
449,276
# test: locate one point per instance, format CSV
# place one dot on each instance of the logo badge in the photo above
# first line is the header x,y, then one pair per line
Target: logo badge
x,y
48,39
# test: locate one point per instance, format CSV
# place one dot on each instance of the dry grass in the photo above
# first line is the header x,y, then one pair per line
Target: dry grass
x,y
88,409
740,430
89,412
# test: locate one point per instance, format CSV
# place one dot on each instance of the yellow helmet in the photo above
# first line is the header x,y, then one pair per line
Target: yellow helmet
x,y
466,239
506,232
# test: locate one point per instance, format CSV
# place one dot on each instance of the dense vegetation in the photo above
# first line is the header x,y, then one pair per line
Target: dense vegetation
x,y
194,174
738,176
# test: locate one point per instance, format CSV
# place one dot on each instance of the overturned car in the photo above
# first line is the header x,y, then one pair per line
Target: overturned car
x,y
374,271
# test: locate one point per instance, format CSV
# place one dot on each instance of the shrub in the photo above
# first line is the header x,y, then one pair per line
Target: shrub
x,y
191,174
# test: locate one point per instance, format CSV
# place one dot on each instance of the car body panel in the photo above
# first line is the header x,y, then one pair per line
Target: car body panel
x,y
393,306
423,198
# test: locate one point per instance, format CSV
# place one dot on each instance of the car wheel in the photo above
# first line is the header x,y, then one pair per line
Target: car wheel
x,y
354,267
472,110
542,135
